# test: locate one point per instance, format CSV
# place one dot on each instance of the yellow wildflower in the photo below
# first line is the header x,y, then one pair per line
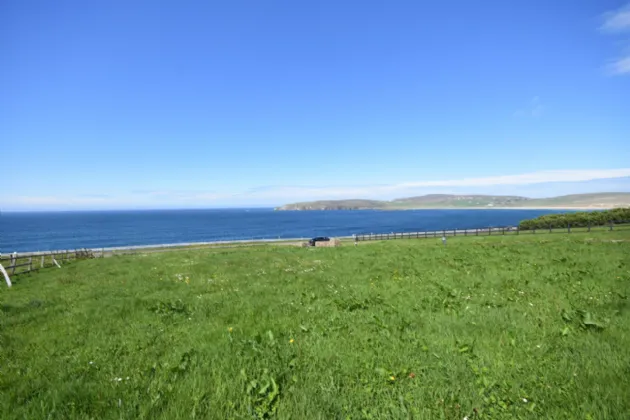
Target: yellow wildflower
x,y
392,378
291,341
230,329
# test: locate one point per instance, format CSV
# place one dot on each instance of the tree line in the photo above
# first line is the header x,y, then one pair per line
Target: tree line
x,y
578,219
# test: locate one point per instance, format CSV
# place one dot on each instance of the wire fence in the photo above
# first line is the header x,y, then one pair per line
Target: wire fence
x,y
490,231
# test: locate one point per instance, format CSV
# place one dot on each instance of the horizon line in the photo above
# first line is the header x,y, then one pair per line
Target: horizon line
x,y
262,207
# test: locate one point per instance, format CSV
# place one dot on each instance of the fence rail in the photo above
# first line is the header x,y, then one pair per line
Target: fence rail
x,y
32,261
487,231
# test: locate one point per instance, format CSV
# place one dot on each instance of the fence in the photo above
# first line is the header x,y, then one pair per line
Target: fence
x,y
487,231
31,261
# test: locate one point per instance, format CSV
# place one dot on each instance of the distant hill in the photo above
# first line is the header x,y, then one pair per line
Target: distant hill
x,y
336,205
595,201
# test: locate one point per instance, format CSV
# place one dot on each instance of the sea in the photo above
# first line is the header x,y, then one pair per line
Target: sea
x,y
41,231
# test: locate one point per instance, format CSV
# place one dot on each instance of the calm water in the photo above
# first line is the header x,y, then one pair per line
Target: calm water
x,y
70,230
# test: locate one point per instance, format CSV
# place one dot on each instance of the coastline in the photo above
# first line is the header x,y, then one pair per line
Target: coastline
x,y
470,208
511,208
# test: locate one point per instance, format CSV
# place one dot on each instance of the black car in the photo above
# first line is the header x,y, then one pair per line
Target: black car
x,y
318,239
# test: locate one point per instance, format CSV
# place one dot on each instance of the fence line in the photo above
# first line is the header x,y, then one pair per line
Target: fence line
x,y
484,231
26,263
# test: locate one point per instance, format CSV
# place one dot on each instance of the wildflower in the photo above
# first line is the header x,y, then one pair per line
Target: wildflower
x,y
524,400
91,362
230,329
291,341
412,375
392,378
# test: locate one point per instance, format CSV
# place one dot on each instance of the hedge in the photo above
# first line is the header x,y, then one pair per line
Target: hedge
x,y
579,219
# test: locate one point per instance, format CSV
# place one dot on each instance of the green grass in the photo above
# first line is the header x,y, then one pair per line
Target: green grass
x,y
525,327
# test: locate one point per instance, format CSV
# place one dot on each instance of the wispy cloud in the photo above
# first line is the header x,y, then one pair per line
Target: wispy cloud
x,y
617,20
620,66
272,195
534,108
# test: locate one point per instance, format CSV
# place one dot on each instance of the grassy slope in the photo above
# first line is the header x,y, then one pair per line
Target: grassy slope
x,y
464,201
582,200
200,333
352,204
444,200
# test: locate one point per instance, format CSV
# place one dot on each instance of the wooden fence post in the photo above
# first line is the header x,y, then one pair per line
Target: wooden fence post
x,y
568,227
611,225
549,228
589,225
30,264
476,231
518,230
41,264
489,231
5,275
13,262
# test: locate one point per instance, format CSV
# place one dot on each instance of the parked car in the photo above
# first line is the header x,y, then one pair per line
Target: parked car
x,y
318,239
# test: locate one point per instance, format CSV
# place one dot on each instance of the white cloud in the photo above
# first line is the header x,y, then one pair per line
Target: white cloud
x,y
533,178
617,21
506,184
620,66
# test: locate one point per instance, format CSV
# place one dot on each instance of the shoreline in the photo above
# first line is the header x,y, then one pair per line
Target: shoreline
x,y
513,208
471,208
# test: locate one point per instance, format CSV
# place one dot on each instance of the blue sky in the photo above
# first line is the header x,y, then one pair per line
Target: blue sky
x,y
171,104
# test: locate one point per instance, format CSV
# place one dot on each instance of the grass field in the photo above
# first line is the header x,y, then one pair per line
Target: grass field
x,y
525,327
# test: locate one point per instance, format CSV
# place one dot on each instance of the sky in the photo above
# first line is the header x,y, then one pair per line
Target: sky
x,y
194,104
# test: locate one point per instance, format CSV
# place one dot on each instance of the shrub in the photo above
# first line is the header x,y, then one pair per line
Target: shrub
x,y
578,219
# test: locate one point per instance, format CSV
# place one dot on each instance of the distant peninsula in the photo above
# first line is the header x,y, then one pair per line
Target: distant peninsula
x,y
448,201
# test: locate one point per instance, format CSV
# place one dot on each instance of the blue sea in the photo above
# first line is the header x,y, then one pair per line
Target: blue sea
x,y
95,229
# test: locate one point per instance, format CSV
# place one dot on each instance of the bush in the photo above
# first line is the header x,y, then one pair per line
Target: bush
x,y
579,219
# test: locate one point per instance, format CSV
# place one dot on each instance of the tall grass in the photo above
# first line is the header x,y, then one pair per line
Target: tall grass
x,y
490,327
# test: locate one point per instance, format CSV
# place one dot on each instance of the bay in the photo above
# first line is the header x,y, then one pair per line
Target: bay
x,y
42,231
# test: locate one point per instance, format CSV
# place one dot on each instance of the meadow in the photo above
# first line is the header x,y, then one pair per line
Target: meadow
x,y
506,327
